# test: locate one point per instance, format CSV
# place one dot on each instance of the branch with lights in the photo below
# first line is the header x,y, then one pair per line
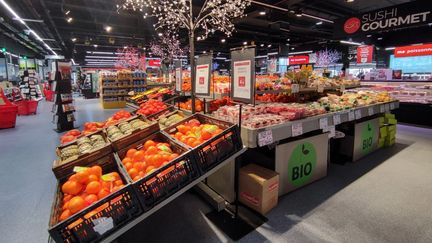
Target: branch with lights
x,y
130,58
327,57
167,47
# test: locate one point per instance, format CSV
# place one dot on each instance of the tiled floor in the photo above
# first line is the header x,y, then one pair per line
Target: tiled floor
x,y
385,197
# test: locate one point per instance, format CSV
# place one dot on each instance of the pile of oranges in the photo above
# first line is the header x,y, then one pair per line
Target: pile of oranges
x,y
199,105
86,187
149,158
193,133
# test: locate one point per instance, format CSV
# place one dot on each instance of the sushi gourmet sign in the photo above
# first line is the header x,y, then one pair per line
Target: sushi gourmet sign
x,y
396,17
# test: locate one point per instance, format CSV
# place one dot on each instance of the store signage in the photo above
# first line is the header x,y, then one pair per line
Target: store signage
x,y
296,60
178,79
265,138
364,54
413,51
202,81
395,17
297,129
243,75
367,137
154,63
302,163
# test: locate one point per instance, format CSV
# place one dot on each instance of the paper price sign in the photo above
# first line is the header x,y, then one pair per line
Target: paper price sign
x,y
392,106
242,85
382,108
351,116
178,79
358,114
265,138
297,129
320,88
336,119
295,88
323,123
202,79
370,111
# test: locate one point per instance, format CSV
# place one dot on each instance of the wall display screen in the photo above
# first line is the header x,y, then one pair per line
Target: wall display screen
x,y
419,64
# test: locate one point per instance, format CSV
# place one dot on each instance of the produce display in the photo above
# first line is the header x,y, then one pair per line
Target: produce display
x,y
216,104
151,107
272,82
171,119
281,97
70,136
143,161
125,128
153,93
83,145
353,99
193,133
86,187
199,105
408,93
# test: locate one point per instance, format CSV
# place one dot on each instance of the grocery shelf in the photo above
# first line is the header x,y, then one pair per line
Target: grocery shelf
x,y
309,124
145,215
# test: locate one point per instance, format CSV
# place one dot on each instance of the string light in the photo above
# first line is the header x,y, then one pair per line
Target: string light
x,y
167,47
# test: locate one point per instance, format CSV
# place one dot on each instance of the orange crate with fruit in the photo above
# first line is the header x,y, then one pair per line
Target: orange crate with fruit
x,y
212,140
81,152
158,167
92,202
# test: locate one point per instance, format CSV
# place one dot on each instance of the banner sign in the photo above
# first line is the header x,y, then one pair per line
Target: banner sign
x,y
413,51
296,60
203,75
178,75
243,73
396,17
154,63
364,54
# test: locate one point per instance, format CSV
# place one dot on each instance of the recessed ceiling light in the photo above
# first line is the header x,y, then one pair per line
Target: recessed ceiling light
x,y
269,46
204,52
368,36
262,45
108,28
292,11
160,34
292,48
199,38
67,12
95,46
288,39
144,48
124,47
245,43
69,19
349,1
379,38
223,40
298,14
319,23
262,13
74,39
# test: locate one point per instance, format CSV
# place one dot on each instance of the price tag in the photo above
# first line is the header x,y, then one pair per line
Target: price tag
x,y
351,116
336,119
295,88
387,107
320,88
332,131
103,224
342,88
382,108
297,129
323,123
265,138
392,106
371,111
358,114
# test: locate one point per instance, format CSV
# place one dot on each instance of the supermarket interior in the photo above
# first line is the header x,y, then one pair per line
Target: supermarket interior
x,y
215,121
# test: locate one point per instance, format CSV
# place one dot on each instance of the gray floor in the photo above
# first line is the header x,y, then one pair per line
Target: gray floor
x,y
385,197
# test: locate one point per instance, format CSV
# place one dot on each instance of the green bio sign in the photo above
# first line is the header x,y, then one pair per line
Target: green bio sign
x,y
302,163
367,137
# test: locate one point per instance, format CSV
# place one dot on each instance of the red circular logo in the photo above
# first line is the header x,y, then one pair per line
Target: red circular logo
x,y
352,25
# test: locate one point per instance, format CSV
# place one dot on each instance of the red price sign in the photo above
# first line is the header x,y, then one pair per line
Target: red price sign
x,y
201,80
242,81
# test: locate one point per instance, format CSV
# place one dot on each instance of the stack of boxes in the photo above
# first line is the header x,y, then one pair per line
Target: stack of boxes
x,y
387,125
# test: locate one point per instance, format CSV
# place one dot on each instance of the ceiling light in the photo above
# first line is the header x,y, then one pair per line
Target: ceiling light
x,y
95,46
379,38
316,17
262,13
198,38
144,48
204,52
319,23
101,57
108,28
101,52
292,11
73,61
262,45
67,12
245,43
292,48
269,46
223,40
300,52
160,34
298,14
69,19
351,43
288,39
124,47
287,44
368,36
74,39
390,48
349,1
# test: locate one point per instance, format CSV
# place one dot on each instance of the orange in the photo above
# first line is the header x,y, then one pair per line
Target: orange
x,y
130,153
128,165
103,193
82,176
93,178
149,143
116,175
173,156
158,160
96,170
127,160
196,143
90,199
190,141
65,206
76,204
73,178
133,172
138,156
66,198
72,187
178,135
65,214
141,174
166,157
118,183
152,150
150,169
106,185
93,187
183,129
206,135
136,178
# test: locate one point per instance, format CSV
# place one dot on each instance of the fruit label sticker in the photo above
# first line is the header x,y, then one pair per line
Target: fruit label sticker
x,y
301,164
108,177
336,119
297,129
323,123
351,116
371,111
295,88
265,138
358,114
79,168
202,84
103,224
367,136
242,79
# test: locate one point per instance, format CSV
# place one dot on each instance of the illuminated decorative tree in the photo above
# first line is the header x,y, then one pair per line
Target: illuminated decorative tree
x,y
173,15
130,58
167,47
327,57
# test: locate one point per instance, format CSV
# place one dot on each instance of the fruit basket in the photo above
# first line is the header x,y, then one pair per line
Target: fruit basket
x,y
140,128
27,107
162,178
81,152
96,221
8,112
216,148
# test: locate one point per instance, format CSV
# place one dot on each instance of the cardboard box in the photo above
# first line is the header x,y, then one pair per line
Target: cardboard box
x,y
392,121
389,116
383,132
381,121
258,188
391,128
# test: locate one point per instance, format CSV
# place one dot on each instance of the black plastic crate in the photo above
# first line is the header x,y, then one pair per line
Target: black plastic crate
x,y
217,149
168,179
112,211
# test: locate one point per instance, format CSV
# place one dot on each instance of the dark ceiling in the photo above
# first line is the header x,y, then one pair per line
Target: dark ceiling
x,y
90,18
